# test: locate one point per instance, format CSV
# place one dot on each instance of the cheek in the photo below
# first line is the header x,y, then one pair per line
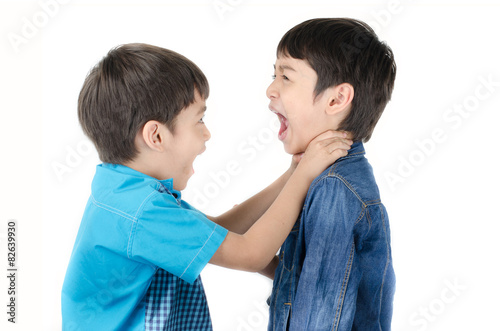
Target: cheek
x,y
303,132
301,126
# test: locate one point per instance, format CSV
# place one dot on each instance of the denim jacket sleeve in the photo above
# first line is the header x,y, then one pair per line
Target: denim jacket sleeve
x,y
331,213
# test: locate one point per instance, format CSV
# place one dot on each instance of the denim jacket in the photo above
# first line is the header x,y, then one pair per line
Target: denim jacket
x,y
335,270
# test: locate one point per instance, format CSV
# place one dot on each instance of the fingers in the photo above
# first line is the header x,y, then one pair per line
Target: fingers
x,y
324,150
331,148
332,144
332,134
332,140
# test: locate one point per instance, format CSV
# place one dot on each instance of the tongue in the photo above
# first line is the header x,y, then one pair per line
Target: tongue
x,y
283,128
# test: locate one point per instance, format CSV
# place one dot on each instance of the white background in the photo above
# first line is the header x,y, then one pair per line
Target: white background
x,y
434,151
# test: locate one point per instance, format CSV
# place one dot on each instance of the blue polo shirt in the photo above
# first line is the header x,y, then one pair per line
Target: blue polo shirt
x,y
137,257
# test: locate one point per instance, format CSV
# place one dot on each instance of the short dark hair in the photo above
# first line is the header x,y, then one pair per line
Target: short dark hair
x,y
131,85
344,50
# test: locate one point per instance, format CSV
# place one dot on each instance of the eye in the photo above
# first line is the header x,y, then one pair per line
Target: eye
x,y
282,76
201,119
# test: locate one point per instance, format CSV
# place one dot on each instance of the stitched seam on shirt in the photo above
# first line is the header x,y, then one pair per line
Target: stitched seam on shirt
x,y
388,259
134,227
112,210
348,185
338,312
277,294
199,251
373,202
289,314
368,218
361,214
141,207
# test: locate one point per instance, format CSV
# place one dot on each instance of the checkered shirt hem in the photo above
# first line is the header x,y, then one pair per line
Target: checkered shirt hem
x,y
175,305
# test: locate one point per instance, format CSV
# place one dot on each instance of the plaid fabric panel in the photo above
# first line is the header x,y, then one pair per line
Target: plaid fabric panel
x,y
175,305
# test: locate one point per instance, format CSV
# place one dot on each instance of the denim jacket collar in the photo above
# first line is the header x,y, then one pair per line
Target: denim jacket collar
x,y
357,149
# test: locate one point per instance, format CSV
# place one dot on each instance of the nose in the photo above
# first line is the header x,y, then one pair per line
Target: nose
x,y
272,91
206,134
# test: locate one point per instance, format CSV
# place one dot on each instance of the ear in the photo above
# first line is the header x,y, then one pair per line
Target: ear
x,y
154,135
340,99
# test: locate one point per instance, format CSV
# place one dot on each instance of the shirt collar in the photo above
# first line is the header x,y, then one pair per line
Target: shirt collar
x,y
163,185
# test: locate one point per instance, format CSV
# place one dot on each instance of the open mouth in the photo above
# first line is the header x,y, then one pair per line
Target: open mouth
x,y
192,163
284,125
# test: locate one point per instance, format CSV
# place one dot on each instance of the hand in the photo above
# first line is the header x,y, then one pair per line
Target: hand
x,y
322,151
297,157
295,161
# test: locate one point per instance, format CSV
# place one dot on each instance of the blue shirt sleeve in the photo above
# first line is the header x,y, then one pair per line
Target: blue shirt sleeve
x,y
174,237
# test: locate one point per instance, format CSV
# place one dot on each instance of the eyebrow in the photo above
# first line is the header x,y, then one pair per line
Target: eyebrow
x,y
202,110
284,67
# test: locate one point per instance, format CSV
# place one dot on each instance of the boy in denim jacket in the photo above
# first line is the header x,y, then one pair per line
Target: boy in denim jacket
x,y
335,268
140,249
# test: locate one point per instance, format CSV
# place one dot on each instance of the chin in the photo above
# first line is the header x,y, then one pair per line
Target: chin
x,y
181,186
288,150
292,150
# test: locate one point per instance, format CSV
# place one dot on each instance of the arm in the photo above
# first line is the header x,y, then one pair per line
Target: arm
x,y
254,250
241,217
271,268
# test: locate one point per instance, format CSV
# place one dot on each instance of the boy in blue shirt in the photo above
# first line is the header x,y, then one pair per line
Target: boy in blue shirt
x,y
140,248
335,270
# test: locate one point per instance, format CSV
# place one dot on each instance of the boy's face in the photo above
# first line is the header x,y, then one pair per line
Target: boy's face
x,y
186,143
292,98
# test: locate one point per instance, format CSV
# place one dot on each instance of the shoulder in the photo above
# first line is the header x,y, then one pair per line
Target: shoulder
x,y
351,176
127,192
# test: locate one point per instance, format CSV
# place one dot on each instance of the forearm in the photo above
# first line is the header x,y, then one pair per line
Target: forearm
x,y
241,217
255,249
271,230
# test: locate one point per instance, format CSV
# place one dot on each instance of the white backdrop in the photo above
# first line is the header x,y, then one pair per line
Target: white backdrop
x,y
434,151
